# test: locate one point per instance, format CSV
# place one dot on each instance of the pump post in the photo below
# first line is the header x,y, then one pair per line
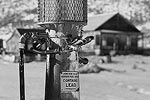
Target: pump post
x,y
21,75
63,21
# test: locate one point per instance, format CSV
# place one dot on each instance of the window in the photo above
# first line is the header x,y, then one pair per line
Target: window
x,y
134,42
110,41
98,39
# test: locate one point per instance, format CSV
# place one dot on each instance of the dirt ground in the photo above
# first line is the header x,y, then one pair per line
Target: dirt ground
x,y
129,80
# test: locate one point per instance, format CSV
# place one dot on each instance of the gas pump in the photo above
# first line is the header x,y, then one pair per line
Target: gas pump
x,y
63,21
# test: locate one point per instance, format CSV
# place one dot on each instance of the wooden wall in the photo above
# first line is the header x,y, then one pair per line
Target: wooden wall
x,y
104,43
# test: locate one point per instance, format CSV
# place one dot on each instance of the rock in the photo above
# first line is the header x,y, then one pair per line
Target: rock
x,y
94,68
9,58
138,68
101,61
113,53
90,68
107,59
97,52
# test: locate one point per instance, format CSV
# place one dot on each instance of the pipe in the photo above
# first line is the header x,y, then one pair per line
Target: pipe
x,y
23,39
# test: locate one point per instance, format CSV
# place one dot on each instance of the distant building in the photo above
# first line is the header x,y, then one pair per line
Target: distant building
x,y
146,38
6,36
112,32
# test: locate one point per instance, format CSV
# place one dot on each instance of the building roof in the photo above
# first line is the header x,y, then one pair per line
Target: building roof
x,y
96,21
113,21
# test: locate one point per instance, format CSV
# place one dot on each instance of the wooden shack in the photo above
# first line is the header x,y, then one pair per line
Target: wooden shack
x,y
113,33
8,40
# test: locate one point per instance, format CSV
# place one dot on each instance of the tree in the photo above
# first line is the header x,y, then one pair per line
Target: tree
x,y
12,11
137,11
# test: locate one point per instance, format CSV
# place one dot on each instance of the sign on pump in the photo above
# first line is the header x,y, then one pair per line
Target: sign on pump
x,y
69,81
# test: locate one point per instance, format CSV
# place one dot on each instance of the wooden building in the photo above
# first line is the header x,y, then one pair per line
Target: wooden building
x,y
113,33
8,39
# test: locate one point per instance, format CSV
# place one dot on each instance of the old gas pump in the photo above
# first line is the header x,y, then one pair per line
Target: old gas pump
x,y
63,21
